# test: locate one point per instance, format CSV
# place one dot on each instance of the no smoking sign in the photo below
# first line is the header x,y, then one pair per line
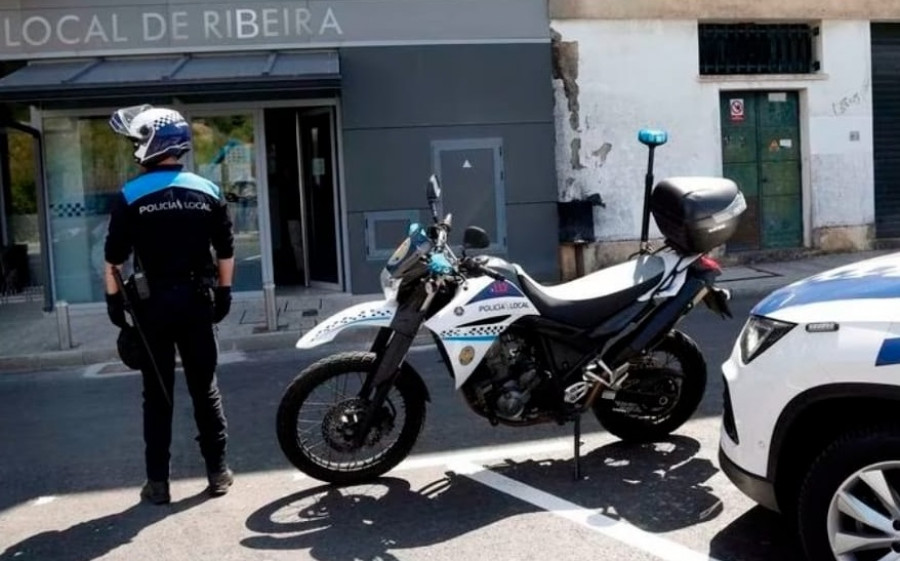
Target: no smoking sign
x,y
737,110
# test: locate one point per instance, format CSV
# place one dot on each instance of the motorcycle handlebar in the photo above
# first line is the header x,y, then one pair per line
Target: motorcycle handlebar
x,y
476,267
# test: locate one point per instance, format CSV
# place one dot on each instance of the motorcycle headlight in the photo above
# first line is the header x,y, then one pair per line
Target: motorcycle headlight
x,y
389,285
759,334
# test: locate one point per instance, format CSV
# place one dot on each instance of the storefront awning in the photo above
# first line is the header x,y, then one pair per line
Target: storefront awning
x,y
173,75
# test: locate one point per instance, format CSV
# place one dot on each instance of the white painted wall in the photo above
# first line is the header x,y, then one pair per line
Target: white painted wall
x,y
634,74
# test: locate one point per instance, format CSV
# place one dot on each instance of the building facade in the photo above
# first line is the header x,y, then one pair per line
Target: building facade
x,y
322,120
793,100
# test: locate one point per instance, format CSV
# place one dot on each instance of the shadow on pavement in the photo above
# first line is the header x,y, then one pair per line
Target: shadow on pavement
x,y
758,535
657,487
95,538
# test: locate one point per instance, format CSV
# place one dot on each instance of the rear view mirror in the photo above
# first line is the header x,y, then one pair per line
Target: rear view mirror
x,y
476,238
433,194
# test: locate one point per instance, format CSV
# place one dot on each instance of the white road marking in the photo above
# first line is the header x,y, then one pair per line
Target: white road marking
x,y
616,529
93,370
486,454
118,369
43,500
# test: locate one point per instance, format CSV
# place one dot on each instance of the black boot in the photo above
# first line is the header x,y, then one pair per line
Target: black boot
x,y
156,492
219,482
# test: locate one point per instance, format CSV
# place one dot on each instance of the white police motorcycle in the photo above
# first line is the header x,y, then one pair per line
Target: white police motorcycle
x,y
520,353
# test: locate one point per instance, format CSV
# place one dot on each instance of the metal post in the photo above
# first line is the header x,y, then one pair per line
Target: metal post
x,y
271,306
64,327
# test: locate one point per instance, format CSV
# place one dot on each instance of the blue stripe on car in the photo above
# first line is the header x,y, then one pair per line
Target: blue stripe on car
x,y
889,353
880,282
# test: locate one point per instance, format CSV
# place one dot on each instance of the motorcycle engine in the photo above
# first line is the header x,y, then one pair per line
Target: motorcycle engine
x,y
505,381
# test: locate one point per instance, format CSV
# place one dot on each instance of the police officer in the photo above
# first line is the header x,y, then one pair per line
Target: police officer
x,y
169,218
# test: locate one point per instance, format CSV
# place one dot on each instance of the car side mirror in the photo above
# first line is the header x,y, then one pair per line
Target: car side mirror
x,y
475,238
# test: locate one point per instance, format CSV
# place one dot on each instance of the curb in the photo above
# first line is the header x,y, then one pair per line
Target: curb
x,y
56,360
74,358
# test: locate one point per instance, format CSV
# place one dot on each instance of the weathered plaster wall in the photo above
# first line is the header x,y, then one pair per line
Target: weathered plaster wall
x,y
615,77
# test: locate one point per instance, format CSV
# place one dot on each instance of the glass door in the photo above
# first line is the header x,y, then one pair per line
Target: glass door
x,y
315,130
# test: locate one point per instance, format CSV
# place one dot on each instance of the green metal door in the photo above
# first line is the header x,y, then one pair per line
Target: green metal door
x,y
761,153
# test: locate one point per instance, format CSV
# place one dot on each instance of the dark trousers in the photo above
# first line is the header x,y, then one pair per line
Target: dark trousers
x,y
181,317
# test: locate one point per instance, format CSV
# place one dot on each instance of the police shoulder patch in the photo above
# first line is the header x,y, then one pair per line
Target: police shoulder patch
x,y
147,184
195,182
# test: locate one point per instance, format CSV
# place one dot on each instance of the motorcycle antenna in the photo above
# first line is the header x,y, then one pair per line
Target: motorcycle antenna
x,y
651,138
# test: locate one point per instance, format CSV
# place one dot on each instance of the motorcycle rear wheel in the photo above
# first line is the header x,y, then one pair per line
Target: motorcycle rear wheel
x,y
333,457
673,376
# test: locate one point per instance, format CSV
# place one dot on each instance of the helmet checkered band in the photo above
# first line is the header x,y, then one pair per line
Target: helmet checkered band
x,y
157,133
164,120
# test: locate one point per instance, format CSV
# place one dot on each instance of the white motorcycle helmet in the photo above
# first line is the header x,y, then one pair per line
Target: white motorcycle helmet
x,y
156,132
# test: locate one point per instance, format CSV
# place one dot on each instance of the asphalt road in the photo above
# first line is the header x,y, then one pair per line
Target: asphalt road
x,y
71,467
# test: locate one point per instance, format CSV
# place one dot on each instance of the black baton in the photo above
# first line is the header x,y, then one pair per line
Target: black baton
x,y
134,320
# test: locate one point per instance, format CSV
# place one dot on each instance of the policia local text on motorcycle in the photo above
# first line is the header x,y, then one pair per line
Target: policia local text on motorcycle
x,y
521,353
168,219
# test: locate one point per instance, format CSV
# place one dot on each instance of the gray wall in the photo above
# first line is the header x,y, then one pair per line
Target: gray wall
x,y
397,100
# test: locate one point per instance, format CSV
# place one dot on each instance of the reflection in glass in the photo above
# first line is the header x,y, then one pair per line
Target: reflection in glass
x,y
225,153
86,166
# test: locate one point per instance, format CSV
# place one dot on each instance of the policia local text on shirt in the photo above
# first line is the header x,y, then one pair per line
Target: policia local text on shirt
x,y
169,218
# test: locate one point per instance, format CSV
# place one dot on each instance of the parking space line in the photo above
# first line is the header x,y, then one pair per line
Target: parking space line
x,y
616,529
487,453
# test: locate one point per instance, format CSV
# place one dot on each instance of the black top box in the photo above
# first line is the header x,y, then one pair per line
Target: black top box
x,y
697,214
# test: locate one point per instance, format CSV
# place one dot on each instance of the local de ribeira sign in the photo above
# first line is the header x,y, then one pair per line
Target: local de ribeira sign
x,y
44,28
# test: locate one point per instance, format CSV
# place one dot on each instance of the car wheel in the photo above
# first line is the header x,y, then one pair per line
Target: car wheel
x,y
848,508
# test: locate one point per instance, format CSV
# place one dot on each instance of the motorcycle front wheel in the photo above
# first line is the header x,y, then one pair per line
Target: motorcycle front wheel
x,y
662,391
320,411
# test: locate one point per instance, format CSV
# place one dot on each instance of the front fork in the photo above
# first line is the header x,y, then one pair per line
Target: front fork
x,y
391,346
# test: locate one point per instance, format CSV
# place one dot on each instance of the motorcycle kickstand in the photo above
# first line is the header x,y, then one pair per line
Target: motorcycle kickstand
x,y
577,447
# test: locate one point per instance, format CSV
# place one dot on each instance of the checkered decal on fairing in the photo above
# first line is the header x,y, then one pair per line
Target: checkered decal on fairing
x,y
480,331
366,315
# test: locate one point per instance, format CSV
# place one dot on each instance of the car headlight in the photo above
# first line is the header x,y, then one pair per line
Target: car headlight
x,y
759,334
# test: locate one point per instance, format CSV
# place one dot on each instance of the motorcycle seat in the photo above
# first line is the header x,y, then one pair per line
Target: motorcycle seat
x,y
587,301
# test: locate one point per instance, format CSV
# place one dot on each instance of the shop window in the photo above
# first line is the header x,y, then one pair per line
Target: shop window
x,y
758,49
86,166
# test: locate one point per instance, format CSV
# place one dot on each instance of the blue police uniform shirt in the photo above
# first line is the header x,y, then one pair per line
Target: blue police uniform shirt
x,y
170,218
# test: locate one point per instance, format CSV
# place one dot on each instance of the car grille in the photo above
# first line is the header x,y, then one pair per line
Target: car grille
x,y
728,415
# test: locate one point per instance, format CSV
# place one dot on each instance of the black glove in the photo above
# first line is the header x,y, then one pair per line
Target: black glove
x,y
221,303
115,308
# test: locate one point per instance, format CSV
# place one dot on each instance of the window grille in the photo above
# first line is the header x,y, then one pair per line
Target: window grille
x,y
757,49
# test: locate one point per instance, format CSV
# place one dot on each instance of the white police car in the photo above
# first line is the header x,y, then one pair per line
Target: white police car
x,y
811,423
